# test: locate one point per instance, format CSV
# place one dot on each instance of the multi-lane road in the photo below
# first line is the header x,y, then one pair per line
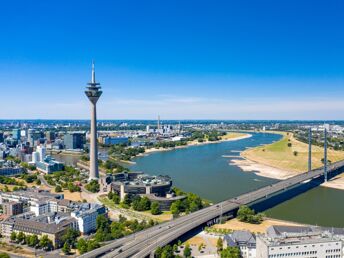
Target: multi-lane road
x,y
144,243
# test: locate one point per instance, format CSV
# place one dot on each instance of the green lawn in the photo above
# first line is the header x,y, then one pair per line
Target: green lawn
x,y
294,158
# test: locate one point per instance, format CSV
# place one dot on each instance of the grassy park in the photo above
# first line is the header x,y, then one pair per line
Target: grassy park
x,y
290,154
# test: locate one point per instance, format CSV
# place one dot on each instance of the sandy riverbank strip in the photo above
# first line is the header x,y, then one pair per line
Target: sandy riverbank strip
x,y
264,170
280,174
336,182
261,169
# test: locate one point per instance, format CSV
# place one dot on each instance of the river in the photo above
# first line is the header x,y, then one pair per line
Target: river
x,y
204,170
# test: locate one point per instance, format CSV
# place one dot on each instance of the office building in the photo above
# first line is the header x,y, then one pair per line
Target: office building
x,y
298,242
10,168
86,216
115,140
42,152
16,134
74,140
12,208
34,137
50,136
49,165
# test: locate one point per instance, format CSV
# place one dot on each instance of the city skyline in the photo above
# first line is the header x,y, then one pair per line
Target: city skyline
x,y
227,62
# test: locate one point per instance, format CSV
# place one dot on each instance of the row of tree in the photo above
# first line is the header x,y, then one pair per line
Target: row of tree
x,y
32,240
246,214
191,203
169,251
136,202
123,152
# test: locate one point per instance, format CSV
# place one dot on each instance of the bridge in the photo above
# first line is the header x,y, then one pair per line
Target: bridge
x,y
144,243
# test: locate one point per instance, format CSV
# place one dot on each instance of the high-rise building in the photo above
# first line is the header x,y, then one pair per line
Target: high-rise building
x,y
12,208
42,152
16,134
1,137
93,93
50,136
33,136
74,140
35,157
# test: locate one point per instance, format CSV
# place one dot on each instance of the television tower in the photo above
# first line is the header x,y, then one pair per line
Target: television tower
x,y
93,93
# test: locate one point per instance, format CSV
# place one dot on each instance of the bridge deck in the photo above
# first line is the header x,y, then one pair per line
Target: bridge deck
x,y
145,242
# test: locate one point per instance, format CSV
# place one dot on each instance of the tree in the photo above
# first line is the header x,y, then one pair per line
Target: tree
x,y
145,203
58,189
33,240
91,245
13,236
20,237
4,255
70,236
295,153
127,200
155,208
231,252
167,252
82,246
175,208
289,144
46,243
102,222
93,186
187,251
219,244
66,248
116,199
245,214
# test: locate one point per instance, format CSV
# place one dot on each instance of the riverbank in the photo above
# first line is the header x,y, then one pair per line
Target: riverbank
x,y
262,170
235,224
226,138
286,158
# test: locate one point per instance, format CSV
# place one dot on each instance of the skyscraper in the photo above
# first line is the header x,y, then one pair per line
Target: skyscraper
x,y
93,93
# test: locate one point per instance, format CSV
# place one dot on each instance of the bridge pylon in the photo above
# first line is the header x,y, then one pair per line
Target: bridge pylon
x,y
310,149
325,154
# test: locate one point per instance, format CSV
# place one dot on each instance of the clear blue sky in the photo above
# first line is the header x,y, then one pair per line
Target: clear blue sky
x,y
180,59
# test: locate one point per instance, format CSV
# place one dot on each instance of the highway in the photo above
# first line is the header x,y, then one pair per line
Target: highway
x,y
144,243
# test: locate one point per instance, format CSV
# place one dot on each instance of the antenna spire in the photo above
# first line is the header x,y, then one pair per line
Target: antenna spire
x,y
93,73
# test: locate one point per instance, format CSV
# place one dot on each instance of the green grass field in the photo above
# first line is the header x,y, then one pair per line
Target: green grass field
x,y
293,158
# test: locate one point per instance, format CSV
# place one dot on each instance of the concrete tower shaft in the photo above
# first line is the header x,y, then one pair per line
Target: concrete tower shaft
x,y
93,93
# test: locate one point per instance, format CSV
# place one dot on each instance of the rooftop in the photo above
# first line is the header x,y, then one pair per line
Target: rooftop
x,y
48,223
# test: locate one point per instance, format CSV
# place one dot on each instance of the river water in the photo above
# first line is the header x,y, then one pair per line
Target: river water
x,y
204,170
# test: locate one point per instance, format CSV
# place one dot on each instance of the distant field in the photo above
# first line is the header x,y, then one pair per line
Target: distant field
x,y
294,158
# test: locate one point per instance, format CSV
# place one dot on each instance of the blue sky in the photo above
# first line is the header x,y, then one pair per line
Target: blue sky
x,y
180,59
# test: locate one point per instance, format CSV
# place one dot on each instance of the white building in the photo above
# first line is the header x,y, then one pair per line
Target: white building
x,y
245,240
42,151
86,216
298,242
35,157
